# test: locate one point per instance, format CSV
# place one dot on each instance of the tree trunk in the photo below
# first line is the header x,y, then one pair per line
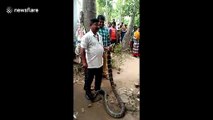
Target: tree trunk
x,y
89,9
127,36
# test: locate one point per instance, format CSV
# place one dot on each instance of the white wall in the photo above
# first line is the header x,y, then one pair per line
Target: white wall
x,y
75,17
77,7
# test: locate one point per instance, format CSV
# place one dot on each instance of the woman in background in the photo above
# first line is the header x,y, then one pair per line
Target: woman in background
x,y
136,39
123,31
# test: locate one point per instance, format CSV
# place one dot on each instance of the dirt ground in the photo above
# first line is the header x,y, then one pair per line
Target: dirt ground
x,y
129,75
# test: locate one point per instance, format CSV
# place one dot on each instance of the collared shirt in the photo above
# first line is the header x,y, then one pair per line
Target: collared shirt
x,y
104,32
93,46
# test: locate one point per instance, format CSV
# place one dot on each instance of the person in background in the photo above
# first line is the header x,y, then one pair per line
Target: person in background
x,y
118,26
123,31
135,28
125,26
92,58
113,34
104,32
118,33
136,39
109,25
121,25
113,22
132,35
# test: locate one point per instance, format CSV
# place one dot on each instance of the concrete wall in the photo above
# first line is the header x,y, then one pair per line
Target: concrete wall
x,y
75,17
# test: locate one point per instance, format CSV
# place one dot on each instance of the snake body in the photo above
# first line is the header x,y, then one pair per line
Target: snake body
x,y
112,113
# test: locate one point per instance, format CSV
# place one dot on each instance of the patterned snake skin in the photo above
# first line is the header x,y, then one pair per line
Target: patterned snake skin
x,y
121,113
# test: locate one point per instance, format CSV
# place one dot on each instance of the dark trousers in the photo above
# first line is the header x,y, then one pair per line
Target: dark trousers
x,y
90,73
122,35
113,41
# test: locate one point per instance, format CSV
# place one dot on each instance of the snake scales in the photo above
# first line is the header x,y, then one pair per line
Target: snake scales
x,y
112,113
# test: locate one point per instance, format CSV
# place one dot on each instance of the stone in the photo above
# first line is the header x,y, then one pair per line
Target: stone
x,y
138,95
132,102
129,93
89,105
75,115
138,99
130,107
137,85
79,83
121,91
82,110
124,98
138,108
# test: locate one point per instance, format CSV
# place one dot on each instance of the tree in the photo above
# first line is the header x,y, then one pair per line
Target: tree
x,y
120,5
137,20
109,9
100,6
89,9
123,8
131,8
104,7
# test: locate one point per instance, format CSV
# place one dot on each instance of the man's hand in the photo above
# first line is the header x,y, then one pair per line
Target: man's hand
x,y
107,48
84,65
110,48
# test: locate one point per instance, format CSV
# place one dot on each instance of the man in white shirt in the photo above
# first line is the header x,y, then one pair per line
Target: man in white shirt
x,y
92,58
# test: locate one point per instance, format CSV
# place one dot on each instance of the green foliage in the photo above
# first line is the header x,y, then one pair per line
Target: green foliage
x,y
129,8
104,6
137,20
126,21
100,5
118,57
118,49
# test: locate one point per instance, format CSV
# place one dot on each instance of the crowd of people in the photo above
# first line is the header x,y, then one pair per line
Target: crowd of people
x,y
94,45
117,32
120,30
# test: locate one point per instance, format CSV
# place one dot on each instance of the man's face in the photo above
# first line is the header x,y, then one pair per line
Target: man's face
x,y
95,26
101,23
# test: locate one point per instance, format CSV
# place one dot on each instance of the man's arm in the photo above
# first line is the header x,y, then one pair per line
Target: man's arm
x,y
109,41
83,57
116,32
83,53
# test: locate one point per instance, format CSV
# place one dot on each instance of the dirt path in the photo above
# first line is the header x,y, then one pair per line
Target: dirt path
x,y
128,76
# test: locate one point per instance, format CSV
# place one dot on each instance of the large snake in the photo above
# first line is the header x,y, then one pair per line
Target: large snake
x,y
112,113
